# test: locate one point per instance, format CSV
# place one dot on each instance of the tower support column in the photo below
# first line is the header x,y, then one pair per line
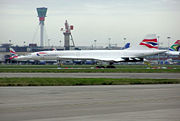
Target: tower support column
x,y
41,35
67,41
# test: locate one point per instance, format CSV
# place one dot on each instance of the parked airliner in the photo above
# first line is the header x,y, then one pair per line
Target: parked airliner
x,y
174,49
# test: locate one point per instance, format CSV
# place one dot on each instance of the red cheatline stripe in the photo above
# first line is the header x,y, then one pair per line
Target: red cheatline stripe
x,y
13,57
150,40
12,52
148,45
42,53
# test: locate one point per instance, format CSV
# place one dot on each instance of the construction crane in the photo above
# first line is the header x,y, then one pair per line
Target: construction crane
x,y
68,36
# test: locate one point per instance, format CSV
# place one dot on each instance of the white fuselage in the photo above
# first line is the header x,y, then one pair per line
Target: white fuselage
x,y
173,52
106,55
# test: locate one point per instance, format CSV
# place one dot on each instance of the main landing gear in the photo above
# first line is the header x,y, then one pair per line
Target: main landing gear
x,y
59,64
108,66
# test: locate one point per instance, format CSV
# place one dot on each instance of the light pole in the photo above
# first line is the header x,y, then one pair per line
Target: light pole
x,y
109,43
95,43
124,40
158,48
168,41
10,42
49,42
60,42
168,45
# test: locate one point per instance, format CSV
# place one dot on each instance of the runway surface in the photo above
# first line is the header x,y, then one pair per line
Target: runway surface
x,y
96,75
91,103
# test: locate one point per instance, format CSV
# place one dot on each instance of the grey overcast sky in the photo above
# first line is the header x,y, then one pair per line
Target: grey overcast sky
x,y
92,20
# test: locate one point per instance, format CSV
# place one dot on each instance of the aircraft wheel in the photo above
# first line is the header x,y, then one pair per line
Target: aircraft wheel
x,y
110,66
100,67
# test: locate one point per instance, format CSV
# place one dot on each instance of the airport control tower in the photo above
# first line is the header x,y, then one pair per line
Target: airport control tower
x,y
41,14
67,36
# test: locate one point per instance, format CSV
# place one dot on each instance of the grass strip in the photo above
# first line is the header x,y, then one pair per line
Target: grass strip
x,y
69,66
81,81
84,66
28,70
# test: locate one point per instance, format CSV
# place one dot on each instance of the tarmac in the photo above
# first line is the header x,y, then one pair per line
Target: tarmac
x,y
91,103
97,75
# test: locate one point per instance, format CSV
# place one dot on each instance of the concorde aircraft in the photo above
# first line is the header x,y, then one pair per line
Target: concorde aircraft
x,y
147,47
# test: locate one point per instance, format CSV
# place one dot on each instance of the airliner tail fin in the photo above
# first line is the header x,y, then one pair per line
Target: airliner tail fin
x,y
13,53
150,41
175,46
127,45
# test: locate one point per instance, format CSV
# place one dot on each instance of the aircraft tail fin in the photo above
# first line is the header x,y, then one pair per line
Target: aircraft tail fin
x,y
127,45
175,46
150,41
13,53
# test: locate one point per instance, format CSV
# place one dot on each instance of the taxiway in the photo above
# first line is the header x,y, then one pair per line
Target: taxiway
x,y
97,75
91,103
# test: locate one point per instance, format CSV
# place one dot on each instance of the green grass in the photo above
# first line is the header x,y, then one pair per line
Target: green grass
x,y
27,66
31,70
80,81
87,69
86,66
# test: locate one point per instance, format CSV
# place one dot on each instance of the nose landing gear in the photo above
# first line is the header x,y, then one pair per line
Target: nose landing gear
x,y
109,66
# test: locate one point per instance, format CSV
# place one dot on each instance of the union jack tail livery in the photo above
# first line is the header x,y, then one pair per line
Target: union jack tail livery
x,y
150,41
13,53
175,46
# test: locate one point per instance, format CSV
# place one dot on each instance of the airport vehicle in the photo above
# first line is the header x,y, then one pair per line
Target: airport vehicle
x,y
134,54
174,49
